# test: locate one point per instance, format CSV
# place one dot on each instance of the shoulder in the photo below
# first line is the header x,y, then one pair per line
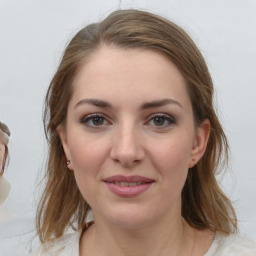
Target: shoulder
x,y
233,245
67,244
239,245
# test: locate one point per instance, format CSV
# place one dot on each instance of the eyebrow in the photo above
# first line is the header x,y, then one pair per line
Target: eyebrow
x,y
147,105
160,103
95,102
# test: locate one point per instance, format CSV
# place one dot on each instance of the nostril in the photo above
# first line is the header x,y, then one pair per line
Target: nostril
x,y
126,163
127,149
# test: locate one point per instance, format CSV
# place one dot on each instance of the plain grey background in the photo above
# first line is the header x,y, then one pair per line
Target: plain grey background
x,y
33,36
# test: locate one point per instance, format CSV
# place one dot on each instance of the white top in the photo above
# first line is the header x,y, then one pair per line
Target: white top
x,y
232,245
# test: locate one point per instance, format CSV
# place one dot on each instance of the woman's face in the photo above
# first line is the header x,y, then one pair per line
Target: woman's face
x,y
131,136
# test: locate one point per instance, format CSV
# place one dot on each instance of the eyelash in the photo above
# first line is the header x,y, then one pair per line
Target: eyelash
x,y
168,120
92,117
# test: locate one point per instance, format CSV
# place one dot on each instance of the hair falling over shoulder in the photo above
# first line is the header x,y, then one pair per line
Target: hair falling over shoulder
x,y
204,205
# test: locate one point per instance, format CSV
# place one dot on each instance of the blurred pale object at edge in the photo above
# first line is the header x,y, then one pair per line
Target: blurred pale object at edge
x,y
5,187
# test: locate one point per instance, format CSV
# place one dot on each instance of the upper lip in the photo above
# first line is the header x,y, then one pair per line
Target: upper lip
x,y
129,179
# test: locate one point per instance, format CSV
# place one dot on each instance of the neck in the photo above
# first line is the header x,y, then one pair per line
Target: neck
x,y
159,238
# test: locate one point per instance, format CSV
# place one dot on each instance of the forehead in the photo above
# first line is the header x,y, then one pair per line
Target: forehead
x,y
113,60
129,72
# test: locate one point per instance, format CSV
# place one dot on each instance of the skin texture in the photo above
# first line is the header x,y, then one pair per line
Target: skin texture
x,y
132,136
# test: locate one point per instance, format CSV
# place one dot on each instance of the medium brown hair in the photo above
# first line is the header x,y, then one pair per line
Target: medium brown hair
x,y
4,128
204,205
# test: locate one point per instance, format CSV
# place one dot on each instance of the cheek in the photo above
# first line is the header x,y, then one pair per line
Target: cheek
x,y
174,153
171,159
87,156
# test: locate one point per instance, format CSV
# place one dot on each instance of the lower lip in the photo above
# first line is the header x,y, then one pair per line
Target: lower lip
x,y
128,191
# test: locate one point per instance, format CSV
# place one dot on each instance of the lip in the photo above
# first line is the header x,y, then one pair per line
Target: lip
x,y
128,191
121,178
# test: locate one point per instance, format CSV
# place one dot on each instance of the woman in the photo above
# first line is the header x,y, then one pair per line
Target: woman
x,y
134,140
4,184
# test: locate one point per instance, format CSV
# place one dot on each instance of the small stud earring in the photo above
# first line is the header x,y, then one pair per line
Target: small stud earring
x,y
68,162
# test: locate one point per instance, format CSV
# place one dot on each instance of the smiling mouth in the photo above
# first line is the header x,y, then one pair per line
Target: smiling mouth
x,y
130,181
128,186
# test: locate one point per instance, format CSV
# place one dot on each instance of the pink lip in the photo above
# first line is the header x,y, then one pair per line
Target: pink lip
x,y
128,191
121,178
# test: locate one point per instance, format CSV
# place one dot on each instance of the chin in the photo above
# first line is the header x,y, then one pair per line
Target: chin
x,y
128,217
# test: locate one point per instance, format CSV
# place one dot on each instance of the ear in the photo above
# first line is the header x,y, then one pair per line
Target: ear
x,y
200,142
62,134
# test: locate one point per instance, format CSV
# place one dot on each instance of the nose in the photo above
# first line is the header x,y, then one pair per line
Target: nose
x,y
127,148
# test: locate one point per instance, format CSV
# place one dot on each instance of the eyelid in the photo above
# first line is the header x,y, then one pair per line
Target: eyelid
x,y
86,118
161,114
167,117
